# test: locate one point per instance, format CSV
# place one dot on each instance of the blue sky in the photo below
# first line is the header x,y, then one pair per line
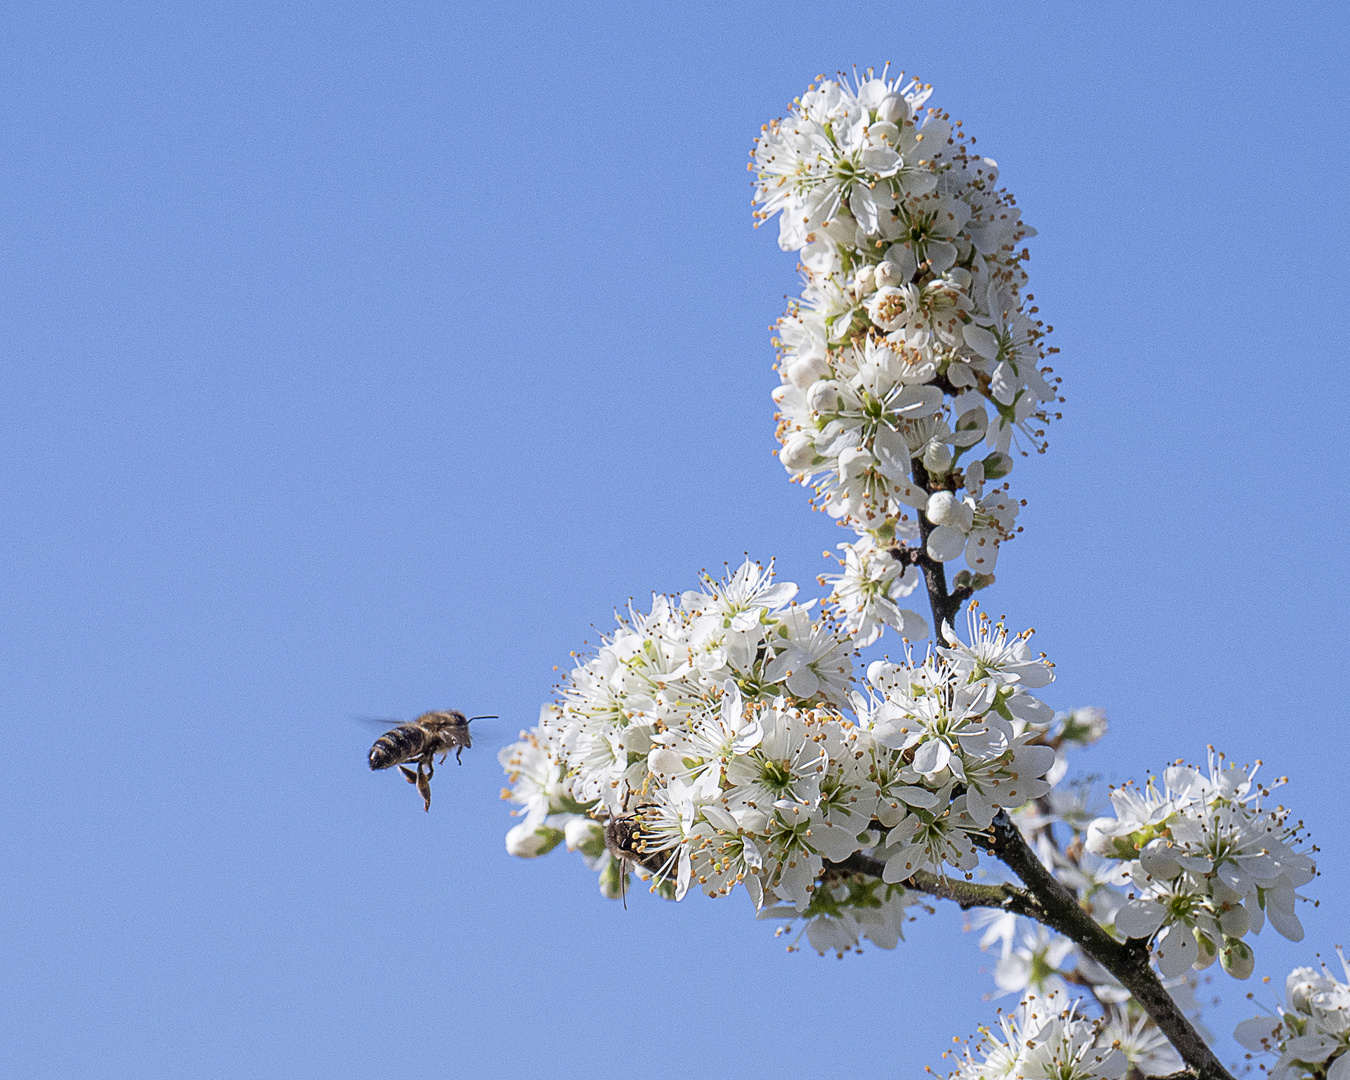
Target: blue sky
x,y
359,359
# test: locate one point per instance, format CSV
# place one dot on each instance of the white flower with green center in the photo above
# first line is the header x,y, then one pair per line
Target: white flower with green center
x,y
534,770
865,594
927,840
813,659
991,654
740,599
1065,1046
1045,1039
969,526
666,823
724,853
699,755
1207,865
797,843
1036,963
1145,1047
1008,341
786,765
923,231
835,153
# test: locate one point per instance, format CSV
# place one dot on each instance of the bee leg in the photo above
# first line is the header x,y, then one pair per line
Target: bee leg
x,y
408,774
424,786
458,751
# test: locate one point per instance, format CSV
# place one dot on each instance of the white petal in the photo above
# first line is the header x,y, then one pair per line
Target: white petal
x,y
1311,1048
1139,918
1249,1033
946,543
982,341
931,757
1177,950
834,843
1003,384
1285,922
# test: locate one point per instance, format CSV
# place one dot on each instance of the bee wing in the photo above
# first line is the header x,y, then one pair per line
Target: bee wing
x,y
385,723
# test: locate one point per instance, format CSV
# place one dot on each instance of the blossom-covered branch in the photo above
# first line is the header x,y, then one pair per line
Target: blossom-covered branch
x,y
730,736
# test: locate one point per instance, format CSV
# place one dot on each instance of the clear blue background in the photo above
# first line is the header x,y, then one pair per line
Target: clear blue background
x,y
359,359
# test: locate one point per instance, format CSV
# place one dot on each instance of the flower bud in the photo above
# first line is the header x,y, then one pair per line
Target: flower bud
x,y
585,835
886,273
893,108
611,880
529,839
878,670
944,508
798,452
823,397
1237,958
803,370
997,466
864,283
937,457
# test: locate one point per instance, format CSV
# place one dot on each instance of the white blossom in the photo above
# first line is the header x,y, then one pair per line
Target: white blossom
x,y
1311,1031
866,593
1045,1039
1205,863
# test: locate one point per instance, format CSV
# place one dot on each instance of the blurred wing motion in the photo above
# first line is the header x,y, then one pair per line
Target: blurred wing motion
x,y
420,741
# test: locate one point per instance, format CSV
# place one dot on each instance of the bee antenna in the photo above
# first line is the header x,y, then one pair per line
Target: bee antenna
x,y
485,718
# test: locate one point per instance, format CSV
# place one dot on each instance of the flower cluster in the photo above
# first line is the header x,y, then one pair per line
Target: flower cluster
x,y
1311,1033
1205,863
722,738
912,342
709,742
1045,1039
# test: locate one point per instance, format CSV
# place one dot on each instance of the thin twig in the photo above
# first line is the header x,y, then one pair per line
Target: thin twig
x,y
965,894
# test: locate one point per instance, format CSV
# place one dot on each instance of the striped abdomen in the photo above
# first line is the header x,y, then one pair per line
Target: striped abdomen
x,y
402,744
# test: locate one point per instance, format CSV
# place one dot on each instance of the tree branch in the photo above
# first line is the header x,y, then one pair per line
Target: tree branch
x,y
1128,961
1046,899
945,605
965,894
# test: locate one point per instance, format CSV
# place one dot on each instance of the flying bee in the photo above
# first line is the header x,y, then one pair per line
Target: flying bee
x,y
421,740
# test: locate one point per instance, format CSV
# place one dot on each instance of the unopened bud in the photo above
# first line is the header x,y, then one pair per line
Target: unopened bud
x,y
1237,958
997,466
798,452
528,840
802,371
937,457
823,397
886,273
893,108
